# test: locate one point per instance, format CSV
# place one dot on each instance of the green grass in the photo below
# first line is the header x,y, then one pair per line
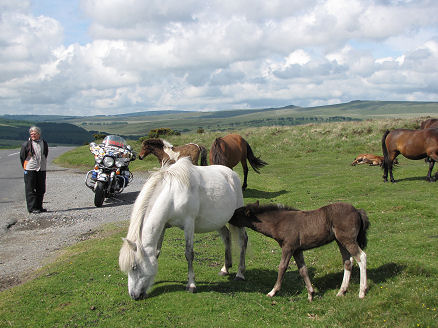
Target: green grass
x,y
309,166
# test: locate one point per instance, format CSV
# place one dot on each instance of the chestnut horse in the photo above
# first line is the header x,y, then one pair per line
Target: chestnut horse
x,y
297,231
165,151
232,149
412,144
429,123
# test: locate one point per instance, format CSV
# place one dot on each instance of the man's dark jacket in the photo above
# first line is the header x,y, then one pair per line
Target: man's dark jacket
x,y
27,148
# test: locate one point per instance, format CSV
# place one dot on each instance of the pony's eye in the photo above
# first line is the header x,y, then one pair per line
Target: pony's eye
x,y
134,267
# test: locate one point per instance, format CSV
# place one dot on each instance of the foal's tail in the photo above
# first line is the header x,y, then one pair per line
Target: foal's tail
x,y
386,163
362,235
203,155
255,162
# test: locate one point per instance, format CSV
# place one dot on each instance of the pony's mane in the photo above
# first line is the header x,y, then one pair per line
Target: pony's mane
x,y
270,208
168,174
157,142
167,144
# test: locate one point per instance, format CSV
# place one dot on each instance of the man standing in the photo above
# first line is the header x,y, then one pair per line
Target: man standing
x,y
33,157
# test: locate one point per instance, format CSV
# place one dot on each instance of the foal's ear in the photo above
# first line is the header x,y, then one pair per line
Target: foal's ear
x,y
131,244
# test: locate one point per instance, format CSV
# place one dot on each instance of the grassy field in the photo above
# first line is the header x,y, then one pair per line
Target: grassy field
x,y
309,166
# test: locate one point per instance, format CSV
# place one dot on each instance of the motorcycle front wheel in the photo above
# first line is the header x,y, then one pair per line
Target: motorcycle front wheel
x,y
99,194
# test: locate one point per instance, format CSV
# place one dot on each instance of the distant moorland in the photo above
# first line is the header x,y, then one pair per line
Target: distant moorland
x,y
80,129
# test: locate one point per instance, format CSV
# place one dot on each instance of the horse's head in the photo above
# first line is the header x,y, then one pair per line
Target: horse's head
x,y
141,267
243,215
145,150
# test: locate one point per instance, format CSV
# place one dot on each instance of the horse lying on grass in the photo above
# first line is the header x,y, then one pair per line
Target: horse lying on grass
x,y
372,160
196,199
297,231
165,151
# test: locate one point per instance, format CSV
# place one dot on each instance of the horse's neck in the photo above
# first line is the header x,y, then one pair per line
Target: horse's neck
x,y
160,154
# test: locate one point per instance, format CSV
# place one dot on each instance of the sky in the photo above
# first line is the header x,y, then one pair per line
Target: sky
x,y
93,57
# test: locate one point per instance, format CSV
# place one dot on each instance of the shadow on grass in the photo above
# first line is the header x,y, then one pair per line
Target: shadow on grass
x,y
262,281
254,193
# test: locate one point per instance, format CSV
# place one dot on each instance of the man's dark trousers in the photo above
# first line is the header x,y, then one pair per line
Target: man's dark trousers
x,y
35,187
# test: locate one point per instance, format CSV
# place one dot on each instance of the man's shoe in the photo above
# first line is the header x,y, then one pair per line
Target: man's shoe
x,y
35,211
42,210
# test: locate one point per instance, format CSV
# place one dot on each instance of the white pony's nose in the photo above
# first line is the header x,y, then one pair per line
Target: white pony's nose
x,y
138,296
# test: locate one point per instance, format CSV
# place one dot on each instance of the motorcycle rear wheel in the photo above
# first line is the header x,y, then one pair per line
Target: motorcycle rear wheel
x,y
99,194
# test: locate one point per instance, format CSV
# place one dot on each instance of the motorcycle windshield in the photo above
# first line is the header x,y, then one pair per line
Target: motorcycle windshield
x,y
114,141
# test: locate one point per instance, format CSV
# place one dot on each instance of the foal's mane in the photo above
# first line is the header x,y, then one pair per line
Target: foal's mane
x,y
271,208
168,174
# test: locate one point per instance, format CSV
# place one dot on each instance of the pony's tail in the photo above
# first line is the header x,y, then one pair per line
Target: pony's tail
x,y
203,155
255,162
216,155
386,163
362,235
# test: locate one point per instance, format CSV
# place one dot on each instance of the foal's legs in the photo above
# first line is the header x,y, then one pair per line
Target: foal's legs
x,y
225,235
361,259
302,269
286,254
347,260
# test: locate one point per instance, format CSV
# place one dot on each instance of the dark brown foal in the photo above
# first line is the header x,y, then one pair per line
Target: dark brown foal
x,y
296,231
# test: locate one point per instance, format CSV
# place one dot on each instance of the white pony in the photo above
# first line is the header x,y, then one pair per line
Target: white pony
x,y
193,198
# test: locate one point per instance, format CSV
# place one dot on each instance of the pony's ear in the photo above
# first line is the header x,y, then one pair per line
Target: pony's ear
x,y
247,212
257,203
131,244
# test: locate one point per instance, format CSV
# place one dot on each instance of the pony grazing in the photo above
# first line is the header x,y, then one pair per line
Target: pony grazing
x,y
297,231
165,151
412,144
429,123
196,199
232,149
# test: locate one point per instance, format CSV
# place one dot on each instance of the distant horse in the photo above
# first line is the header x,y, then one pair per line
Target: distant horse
x,y
232,149
372,160
165,151
429,123
297,231
196,199
412,144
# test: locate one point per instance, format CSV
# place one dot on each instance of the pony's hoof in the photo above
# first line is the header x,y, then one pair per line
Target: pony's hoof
x,y
238,278
223,273
191,290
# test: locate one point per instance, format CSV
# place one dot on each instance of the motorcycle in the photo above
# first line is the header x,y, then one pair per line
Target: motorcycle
x,y
110,175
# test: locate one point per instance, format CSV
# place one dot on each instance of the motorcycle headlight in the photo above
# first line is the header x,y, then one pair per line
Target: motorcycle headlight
x,y
120,162
108,161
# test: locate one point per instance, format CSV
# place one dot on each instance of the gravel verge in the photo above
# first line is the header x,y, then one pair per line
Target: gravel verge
x,y
30,241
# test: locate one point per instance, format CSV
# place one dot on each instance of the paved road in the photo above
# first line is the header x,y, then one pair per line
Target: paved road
x,y
11,174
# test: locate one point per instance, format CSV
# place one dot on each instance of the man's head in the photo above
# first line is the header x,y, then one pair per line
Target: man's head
x,y
35,133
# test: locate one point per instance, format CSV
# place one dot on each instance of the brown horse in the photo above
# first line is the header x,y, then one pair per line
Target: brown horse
x,y
165,151
232,149
429,123
412,144
297,231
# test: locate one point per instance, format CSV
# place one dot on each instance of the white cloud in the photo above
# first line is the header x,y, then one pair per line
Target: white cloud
x,y
215,54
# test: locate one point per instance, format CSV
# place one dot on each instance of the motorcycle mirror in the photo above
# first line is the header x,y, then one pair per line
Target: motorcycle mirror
x,y
129,147
92,144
